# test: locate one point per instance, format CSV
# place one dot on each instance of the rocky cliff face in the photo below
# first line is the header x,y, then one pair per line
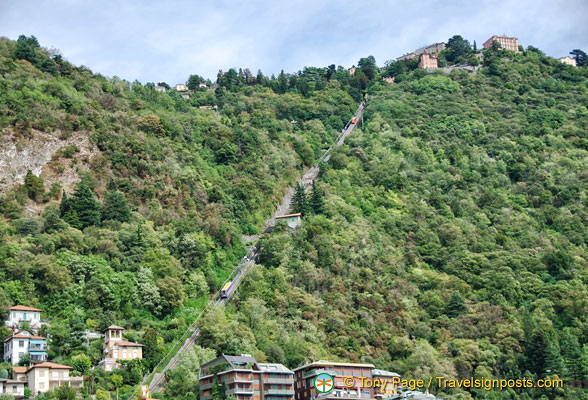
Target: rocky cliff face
x,y
45,154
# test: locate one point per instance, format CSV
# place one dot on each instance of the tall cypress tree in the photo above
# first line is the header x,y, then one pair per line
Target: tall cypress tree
x,y
116,207
317,202
300,201
81,209
456,305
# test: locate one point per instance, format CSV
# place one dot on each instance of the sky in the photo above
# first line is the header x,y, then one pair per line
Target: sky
x,y
166,41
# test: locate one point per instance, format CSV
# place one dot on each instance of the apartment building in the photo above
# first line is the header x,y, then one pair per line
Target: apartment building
x,y
432,50
12,387
22,343
244,378
506,43
305,375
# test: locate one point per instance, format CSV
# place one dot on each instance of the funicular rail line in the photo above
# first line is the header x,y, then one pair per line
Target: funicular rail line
x,y
158,379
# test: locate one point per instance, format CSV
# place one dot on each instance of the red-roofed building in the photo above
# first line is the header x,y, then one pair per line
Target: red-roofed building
x,y
20,314
48,376
115,348
22,343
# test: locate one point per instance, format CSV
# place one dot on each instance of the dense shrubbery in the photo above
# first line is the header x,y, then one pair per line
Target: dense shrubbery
x,y
454,242
156,224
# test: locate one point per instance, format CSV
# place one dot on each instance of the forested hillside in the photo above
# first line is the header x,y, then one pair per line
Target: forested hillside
x,y
450,238
453,241
162,191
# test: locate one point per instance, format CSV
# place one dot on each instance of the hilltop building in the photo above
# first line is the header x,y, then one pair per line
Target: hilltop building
x,y
115,349
388,80
244,378
506,43
23,314
21,343
180,87
306,374
428,62
352,70
432,50
568,60
160,89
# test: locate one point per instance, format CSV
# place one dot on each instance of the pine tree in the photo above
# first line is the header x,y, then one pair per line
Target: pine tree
x,y
81,209
456,305
553,360
116,207
536,356
300,201
317,202
571,352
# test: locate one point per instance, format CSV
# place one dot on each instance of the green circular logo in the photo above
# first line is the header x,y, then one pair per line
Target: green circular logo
x,y
324,383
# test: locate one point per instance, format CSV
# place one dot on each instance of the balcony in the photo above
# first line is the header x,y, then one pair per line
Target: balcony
x,y
240,391
73,381
38,357
239,380
278,392
277,380
38,347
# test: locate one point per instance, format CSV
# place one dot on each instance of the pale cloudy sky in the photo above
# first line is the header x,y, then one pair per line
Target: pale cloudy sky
x,y
155,41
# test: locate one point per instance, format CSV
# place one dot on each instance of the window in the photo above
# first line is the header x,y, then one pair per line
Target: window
x,y
13,388
21,343
24,316
41,374
41,385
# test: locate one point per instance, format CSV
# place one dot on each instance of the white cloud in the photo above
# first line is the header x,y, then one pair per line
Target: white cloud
x,y
167,41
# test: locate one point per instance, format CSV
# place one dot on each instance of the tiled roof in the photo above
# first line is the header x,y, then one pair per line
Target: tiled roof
x,y
24,308
17,336
50,365
19,370
115,327
289,215
124,343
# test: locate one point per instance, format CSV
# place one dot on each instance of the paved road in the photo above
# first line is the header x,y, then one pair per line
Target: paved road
x,y
158,381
